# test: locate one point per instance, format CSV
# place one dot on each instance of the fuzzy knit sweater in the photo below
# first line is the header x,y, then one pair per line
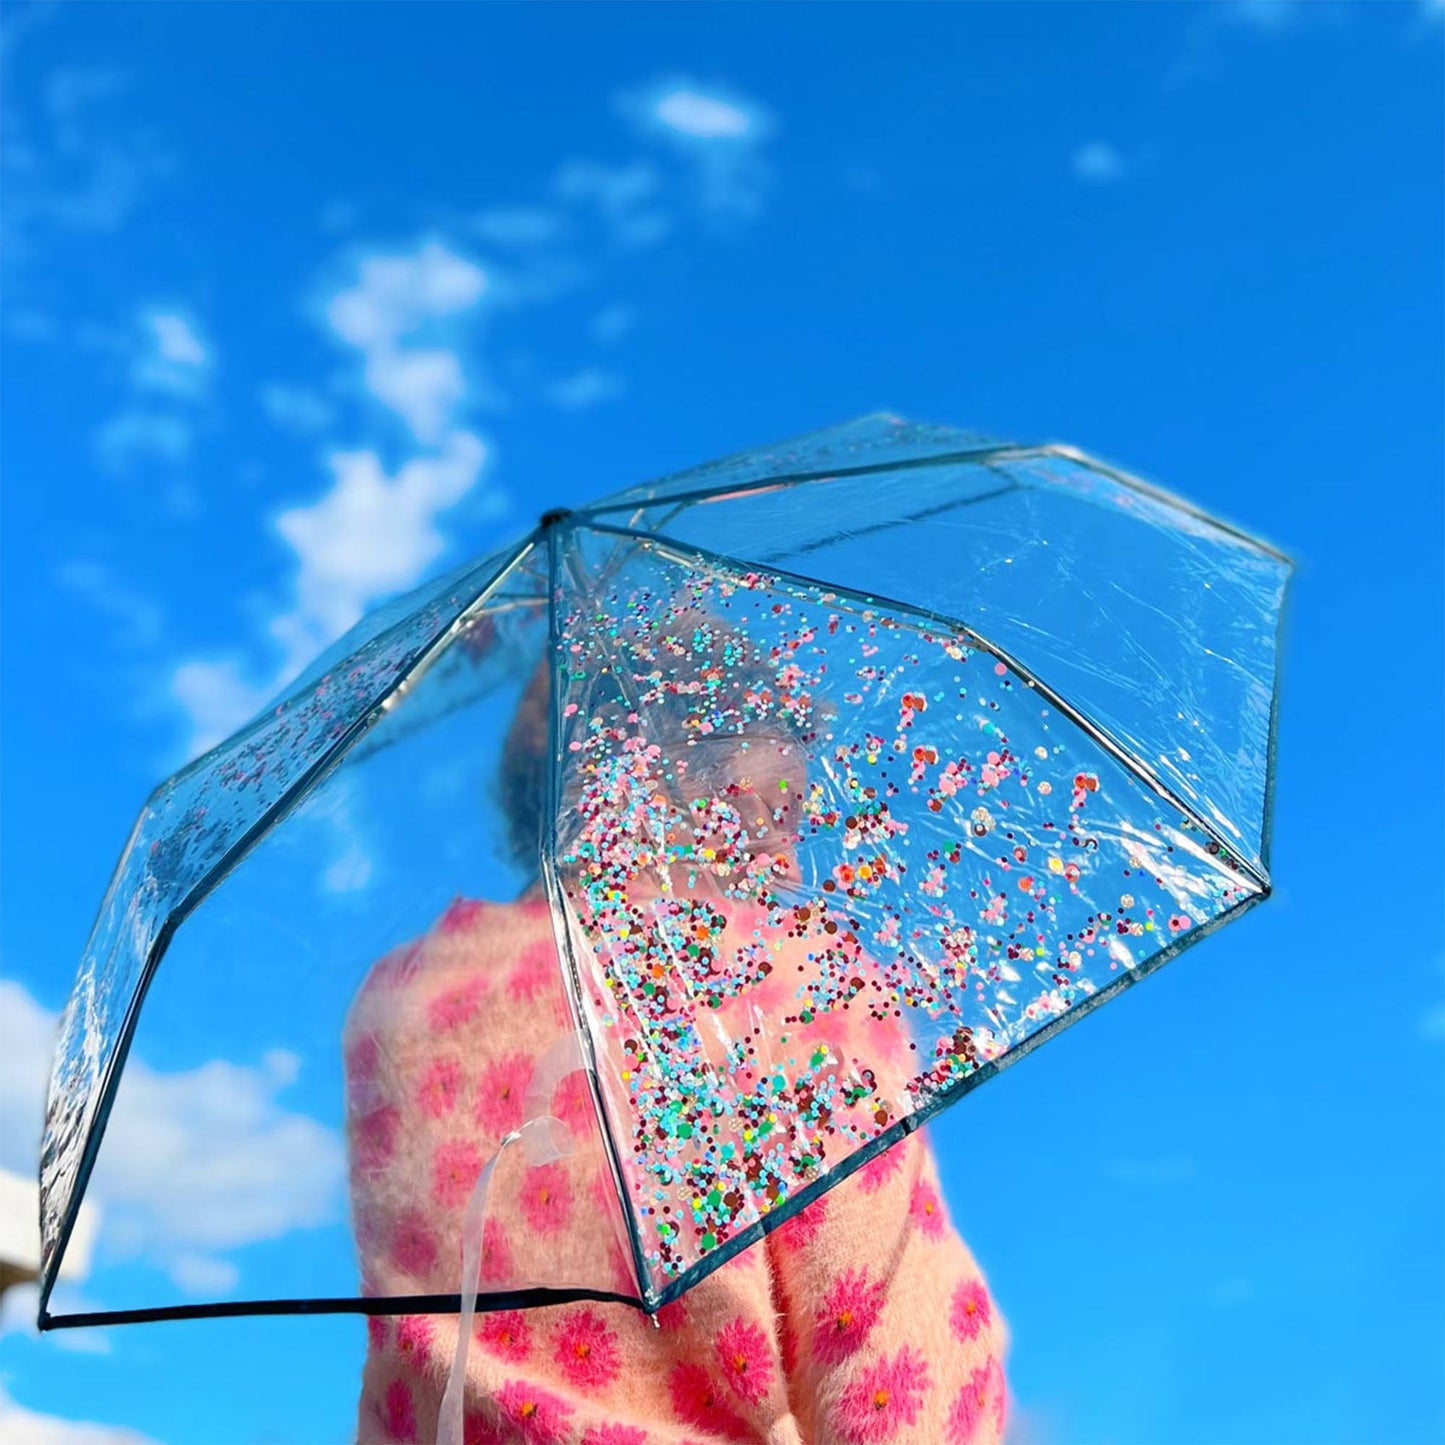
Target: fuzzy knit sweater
x,y
862,1320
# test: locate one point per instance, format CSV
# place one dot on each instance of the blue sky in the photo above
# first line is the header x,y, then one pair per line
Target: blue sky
x,y
303,304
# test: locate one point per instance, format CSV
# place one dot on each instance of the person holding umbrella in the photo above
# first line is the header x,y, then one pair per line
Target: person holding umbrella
x,y
863,1318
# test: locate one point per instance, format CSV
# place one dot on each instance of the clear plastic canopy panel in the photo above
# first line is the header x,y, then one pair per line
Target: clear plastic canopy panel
x,y
802,791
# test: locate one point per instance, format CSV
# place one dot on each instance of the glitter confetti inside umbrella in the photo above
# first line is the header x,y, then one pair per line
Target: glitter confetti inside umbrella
x,y
790,798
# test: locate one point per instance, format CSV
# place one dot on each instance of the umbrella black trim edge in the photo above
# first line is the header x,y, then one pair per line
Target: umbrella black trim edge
x,y
412,1304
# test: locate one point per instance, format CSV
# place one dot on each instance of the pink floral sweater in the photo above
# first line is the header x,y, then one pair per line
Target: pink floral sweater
x,y
862,1320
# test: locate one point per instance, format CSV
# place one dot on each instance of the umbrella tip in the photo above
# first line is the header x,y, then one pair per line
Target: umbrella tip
x,y
554,515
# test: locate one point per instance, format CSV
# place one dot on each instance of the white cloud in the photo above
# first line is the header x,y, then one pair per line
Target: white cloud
x,y
707,117
584,388
718,131
175,340
423,387
217,698
369,536
401,313
19,1426
394,295
194,1163
1099,162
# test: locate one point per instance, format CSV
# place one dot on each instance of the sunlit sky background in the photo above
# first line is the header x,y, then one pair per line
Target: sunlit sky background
x,y
304,303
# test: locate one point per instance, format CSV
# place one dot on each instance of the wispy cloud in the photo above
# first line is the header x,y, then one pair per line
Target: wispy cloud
x,y
1268,17
297,408
519,227
139,435
612,323
138,620
584,388
1099,163
626,198
169,364
195,1163
173,355
67,163
20,1426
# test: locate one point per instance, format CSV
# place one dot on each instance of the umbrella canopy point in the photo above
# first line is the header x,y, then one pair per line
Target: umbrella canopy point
x,y
916,744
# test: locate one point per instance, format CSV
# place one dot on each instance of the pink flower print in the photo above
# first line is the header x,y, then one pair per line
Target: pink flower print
x,y
456,1006
462,914
536,973
884,1396
376,1331
361,1061
746,1362
502,1094
506,1334
971,1311
547,1199
846,1315
536,1415
497,1265
615,1435
455,1167
413,1245
927,1210
437,1093
399,1413
587,1351
572,1103
413,1340
798,1232
696,1400
983,1397
376,1139
880,1169
479,1429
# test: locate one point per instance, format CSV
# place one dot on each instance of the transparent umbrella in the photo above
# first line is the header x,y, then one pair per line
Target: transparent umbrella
x,y
703,843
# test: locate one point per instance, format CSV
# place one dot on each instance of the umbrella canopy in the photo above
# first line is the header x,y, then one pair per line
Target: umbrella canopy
x,y
774,805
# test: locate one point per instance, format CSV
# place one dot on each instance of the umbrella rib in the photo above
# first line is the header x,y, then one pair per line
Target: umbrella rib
x,y
722,490
691,553
572,979
277,812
